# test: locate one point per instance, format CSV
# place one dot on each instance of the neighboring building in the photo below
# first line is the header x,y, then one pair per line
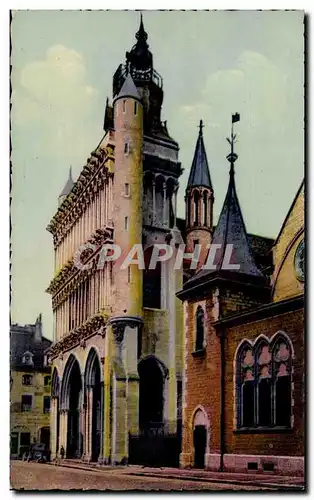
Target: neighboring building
x,y
243,397
118,351
30,387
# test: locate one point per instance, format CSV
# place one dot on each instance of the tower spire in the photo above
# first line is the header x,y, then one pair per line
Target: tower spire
x,y
141,34
199,174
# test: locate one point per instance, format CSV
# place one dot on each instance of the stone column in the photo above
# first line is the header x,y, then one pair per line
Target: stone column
x,y
164,208
154,201
102,398
53,428
63,429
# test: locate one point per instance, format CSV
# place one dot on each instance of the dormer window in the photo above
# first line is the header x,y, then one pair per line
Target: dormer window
x,y
27,358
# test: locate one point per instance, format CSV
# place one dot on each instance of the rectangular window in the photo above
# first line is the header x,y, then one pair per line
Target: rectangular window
x,y
26,404
129,274
124,106
46,404
27,380
126,223
135,108
126,148
127,189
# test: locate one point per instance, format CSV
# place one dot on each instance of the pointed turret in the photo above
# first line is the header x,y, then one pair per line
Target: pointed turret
x,y
199,199
231,230
128,89
67,188
199,174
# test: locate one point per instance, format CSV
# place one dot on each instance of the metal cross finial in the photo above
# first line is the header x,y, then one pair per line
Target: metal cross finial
x,y
201,126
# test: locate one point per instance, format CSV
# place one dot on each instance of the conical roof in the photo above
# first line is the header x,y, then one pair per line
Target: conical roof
x,y
199,173
68,186
231,230
128,89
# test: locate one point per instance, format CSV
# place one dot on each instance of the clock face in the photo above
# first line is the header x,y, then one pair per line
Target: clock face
x,y
299,261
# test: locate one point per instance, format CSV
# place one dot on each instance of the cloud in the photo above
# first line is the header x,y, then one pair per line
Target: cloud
x,y
254,86
53,99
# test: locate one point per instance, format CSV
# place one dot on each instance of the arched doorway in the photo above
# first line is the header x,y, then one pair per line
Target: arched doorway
x,y
71,401
151,398
93,384
44,436
200,438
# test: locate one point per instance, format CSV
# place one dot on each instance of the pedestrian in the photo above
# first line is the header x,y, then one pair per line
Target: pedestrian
x,y
62,452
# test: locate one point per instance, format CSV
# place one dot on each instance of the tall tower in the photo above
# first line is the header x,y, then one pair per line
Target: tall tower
x,y
127,195
199,199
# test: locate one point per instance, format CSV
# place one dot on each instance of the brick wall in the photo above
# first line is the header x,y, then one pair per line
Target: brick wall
x,y
288,443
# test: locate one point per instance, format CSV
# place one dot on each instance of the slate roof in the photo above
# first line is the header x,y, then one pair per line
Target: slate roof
x,y
68,186
22,340
231,230
199,174
128,89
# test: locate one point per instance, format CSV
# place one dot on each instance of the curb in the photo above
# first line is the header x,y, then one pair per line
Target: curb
x,y
263,485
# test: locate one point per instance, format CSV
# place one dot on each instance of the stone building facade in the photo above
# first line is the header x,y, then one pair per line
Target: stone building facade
x,y
117,354
29,388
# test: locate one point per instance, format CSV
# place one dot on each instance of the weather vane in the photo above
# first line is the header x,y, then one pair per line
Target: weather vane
x,y
232,156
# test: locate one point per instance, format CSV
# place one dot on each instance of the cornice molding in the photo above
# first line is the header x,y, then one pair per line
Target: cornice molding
x,y
92,178
69,270
79,335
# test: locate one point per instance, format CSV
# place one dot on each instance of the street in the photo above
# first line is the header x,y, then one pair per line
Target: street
x,y
35,476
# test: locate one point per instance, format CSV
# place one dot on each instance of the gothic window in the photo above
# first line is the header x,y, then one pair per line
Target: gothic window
x,y
126,148
135,108
27,380
199,344
124,106
196,210
205,208
264,383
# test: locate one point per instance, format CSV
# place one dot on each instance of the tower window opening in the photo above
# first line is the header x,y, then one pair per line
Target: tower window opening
x,y
195,242
129,274
205,209
127,189
126,148
135,108
126,223
124,106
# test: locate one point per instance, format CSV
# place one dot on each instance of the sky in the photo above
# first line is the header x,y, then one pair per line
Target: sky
x,y
213,64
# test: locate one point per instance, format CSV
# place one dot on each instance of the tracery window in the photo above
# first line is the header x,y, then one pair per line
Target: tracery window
x,y
264,383
199,341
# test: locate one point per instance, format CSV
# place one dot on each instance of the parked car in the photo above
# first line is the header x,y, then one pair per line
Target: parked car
x,y
39,452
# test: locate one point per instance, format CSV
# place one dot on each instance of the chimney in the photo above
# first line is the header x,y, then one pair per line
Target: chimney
x,y
38,329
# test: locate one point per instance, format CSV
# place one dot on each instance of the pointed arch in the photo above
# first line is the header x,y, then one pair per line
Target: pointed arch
x,y
264,397
55,384
152,374
199,337
89,372
65,384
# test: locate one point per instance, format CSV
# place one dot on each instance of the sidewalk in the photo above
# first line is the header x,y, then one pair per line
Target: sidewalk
x,y
286,483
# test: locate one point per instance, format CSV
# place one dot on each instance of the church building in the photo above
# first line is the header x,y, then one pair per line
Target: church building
x,y
163,366
117,355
